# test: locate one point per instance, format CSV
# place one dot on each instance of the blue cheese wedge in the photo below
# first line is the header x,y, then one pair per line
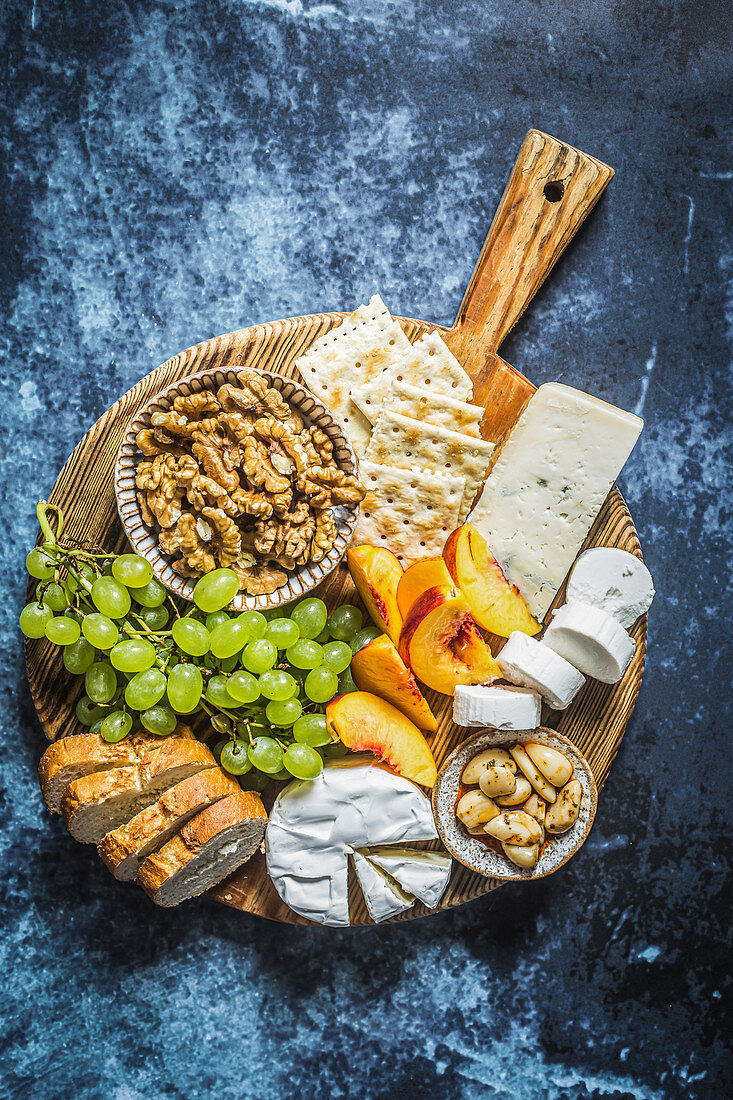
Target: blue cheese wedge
x,y
547,486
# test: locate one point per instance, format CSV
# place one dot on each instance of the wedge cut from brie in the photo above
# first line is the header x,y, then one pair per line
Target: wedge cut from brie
x,y
384,898
424,874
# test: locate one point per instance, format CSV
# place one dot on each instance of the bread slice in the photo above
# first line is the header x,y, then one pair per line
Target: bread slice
x,y
124,849
94,805
208,848
85,753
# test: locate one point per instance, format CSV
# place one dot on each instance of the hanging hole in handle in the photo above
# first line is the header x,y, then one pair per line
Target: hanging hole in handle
x,y
554,191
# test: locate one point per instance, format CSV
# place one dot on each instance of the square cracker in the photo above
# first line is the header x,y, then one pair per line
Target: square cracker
x,y
401,441
428,363
352,355
445,412
411,512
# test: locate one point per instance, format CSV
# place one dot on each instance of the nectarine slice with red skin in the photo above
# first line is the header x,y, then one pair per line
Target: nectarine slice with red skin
x,y
365,722
379,668
495,604
418,578
442,644
376,572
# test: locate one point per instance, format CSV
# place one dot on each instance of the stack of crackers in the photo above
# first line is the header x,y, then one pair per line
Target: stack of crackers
x,y
407,410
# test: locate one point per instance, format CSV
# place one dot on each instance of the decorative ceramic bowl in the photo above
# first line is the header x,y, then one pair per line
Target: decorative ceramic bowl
x,y
144,539
479,855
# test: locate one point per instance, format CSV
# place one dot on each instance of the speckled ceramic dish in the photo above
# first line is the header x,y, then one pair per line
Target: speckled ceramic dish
x,y
478,855
144,539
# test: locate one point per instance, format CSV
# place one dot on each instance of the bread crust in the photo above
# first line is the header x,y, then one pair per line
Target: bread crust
x,y
192,794
154,761
174,856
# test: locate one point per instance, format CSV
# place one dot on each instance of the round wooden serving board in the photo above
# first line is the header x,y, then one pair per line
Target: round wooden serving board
x,y
530,230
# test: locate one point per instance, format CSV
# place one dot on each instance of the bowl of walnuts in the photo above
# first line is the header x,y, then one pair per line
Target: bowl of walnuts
x,y
240,469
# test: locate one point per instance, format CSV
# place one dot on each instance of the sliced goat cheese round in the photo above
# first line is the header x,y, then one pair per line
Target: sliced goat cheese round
x,y
424,874
614,580
590,639
530,663
497,706
315,825
384,899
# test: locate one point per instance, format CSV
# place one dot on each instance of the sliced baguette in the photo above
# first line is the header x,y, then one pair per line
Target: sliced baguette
x,y
124,849
207,849
94,805
85,753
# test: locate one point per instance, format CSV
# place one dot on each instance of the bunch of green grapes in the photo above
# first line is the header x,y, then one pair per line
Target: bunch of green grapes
x,y
148,660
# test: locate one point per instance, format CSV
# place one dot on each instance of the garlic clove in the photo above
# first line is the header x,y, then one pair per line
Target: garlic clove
x,y
534,775
474,809
485,759
563,815
497,780
520,794
524,855
515,827
553,764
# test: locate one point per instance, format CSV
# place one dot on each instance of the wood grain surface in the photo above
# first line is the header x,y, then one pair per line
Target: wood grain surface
x,y
529,233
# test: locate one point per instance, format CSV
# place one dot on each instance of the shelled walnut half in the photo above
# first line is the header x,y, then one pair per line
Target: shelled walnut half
x,y
234,478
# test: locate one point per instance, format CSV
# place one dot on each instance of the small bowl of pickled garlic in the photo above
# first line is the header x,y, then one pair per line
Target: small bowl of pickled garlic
x,y
515,805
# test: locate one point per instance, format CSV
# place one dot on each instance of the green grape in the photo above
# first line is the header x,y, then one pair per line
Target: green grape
x,y
345,621
283,713
86,572
145,689
259,656
217,692
282,632
256,622
305,654
151,594
155,618
185,685
99,631
321,684
79,656
243,687
132,570
303,761
100,682
53,596
132,655
347,682
229,638
221,723
215,590
116,726
159,719
40,565
311,730
62,630
191,636
216,751
34,619
96,728
88,712
310,616
228,664
111,598
337,656
234,758
363,637
278,685
216,617
254,781
283,776
266,755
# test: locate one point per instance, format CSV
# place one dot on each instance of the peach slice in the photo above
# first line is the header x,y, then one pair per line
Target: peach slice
x,y
419,578
365,722
376,572
442,644
379,668
495,604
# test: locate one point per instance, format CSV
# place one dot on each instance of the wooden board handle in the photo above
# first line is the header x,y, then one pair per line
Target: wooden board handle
x,y
552,189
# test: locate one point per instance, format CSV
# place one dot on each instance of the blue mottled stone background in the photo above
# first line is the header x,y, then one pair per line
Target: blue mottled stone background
x,y
179,168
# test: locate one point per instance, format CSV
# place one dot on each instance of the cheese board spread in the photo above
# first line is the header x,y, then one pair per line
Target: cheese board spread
x,y
330,583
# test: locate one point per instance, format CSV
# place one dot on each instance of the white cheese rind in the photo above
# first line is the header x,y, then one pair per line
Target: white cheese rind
x,y
530,663
591,640
315,824
383,898
548,484
424,874
501,708
614,580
